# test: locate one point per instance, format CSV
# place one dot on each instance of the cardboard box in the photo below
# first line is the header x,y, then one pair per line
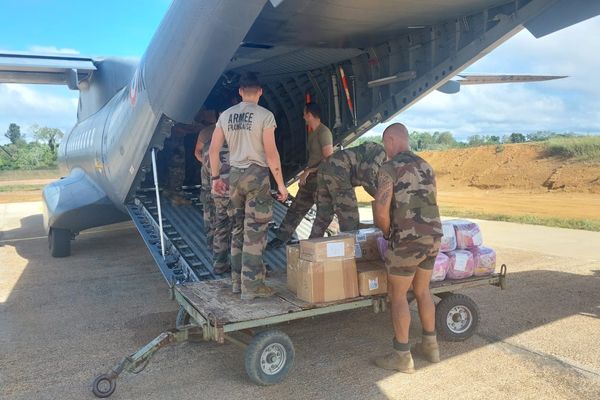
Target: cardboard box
x,y
293,256
372,278
324,281
328,248
365,248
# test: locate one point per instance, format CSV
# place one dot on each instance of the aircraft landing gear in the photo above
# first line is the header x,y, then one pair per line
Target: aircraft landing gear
x,y
59,242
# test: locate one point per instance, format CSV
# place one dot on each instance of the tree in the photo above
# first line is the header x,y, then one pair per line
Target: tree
x,y
517,138
494,139
49,136
475,140
14,134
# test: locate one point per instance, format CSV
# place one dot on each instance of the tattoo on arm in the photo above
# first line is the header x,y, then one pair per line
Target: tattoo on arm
x,y
384,189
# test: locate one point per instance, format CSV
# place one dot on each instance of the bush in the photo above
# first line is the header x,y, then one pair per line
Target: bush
x,y
582,148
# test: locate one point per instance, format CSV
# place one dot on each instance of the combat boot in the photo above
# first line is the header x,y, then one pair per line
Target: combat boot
x,y
397,361
236,283
428,349
261,291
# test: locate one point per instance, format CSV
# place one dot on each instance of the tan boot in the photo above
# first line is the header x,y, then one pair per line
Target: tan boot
x,y
428,349
397,361
236,283
261,291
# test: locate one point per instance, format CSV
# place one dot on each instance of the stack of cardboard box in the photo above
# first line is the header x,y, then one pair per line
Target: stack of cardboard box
x,y
324,269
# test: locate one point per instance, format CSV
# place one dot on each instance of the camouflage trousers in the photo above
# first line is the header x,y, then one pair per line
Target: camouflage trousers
x,y
335,195
252,210
208,208
304,200
222,235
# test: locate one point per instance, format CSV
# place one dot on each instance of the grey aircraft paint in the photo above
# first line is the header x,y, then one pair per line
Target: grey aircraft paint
x,y
394,52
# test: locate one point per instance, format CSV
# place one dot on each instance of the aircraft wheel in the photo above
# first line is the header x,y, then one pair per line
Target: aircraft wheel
x,y
59,242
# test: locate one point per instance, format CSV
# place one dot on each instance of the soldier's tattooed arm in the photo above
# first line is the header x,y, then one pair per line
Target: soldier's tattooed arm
x,y
383,202
273,161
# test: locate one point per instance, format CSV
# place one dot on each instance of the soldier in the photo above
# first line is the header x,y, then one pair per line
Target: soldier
x,y
320,146
405,209
217,222
337,177
249,130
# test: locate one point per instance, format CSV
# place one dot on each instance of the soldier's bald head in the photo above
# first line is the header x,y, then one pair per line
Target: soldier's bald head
x,y
395,139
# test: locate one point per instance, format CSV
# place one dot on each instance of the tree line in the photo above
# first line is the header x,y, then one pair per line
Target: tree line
x,y
420,141
38,153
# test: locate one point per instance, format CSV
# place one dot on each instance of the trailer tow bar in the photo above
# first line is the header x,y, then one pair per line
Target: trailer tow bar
x,y
105,384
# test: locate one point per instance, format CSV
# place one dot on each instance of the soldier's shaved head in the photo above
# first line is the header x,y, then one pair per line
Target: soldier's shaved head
x,y
395,139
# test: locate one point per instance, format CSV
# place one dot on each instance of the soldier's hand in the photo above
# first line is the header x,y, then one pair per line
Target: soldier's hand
x,y
303,177
283,193
219,187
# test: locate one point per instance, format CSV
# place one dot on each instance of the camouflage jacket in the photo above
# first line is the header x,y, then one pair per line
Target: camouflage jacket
x,y
414,212
363,162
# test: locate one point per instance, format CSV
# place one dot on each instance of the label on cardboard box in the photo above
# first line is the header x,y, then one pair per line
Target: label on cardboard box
x,y
373,284
335,249
357,251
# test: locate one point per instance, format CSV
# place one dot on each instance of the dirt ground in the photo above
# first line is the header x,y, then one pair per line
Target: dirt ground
x,y
62,321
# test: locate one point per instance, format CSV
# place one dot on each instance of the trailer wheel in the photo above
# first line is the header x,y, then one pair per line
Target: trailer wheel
x,y
183,318
59,242
456,318
104,386
269,357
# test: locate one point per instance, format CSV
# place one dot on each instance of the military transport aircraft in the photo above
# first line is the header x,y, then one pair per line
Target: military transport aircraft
x,y
363,61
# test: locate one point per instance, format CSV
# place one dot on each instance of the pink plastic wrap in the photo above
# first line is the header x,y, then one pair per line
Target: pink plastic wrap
x,y
382,245
461,265
484,259
468,234
449,238
440,268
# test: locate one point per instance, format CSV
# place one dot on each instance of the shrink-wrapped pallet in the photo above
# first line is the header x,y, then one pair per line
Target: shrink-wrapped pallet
x,y
461,264
449,239
468,234
440,268
484,259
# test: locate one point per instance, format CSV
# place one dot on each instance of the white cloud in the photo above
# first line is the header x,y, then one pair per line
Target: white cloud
x,y
26,105
53,50
570,104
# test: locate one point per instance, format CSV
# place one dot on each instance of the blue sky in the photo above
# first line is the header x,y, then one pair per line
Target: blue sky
x,y
124,28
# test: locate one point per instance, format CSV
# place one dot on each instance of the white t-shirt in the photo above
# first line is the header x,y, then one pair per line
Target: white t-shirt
x,y
243,126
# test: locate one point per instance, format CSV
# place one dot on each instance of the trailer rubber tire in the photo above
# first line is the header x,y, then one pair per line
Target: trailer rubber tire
x,y
101,392
59,242
183,318
269,357
456,318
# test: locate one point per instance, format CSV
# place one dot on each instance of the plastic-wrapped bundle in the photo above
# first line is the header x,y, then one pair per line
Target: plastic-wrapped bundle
x,y
440,268
468,234
461,265
382,246
449,239
484,259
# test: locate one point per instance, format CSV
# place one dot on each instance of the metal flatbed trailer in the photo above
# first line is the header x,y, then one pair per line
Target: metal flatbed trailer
x,y
210,312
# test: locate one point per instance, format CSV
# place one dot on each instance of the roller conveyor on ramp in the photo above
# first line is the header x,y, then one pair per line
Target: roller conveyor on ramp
x,y
188,257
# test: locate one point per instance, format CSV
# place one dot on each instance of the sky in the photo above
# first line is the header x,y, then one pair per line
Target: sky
x,y
124,28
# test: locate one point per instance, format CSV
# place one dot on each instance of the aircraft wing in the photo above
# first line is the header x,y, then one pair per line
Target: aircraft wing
x,y
453,86
45,69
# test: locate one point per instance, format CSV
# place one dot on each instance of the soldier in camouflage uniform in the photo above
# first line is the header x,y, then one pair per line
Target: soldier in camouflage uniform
x,y
208,204
336,180
249,130
217,221
405,208
319,146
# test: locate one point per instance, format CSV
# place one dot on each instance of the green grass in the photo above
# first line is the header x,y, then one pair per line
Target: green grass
x,y
20,188
586,225
584,148
14,175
